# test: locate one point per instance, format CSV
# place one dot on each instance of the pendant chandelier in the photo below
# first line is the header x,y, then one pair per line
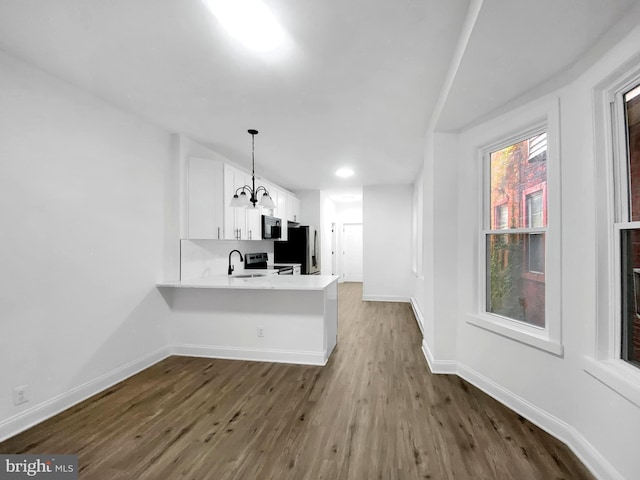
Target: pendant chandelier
x,y
247,195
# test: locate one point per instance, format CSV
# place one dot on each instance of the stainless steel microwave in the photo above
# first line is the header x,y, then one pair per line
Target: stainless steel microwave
x,y
271,227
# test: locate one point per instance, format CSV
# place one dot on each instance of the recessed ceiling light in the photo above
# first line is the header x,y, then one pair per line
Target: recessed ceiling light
x,y
249,21
344,172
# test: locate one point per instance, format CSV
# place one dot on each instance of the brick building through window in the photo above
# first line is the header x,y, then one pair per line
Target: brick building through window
x,y
518,206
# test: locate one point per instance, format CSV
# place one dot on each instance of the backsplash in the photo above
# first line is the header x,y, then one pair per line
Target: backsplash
x,y
204,258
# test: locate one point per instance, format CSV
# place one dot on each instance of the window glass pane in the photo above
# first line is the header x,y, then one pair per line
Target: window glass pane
x,y
502,217
514,291
632,109
535,253
533,206
631,295
513,175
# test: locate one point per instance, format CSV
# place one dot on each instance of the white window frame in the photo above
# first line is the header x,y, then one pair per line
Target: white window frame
x,y
610,159
531,121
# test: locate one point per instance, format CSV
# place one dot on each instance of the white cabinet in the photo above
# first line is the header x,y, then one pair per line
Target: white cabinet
x,y
211,185
254,222
293,208
240,223
280,211
235,220
281,205
205,208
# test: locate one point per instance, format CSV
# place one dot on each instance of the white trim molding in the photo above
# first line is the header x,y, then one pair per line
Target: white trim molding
x,y
438,366
507,330
252,354
47,409
564,432
417,312
618,375
386,298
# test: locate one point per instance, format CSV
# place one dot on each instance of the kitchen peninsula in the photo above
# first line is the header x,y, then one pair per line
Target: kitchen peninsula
x,y
274,318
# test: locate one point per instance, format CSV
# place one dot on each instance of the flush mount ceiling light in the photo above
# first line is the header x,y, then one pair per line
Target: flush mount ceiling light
x,y
344,172
247,196
249,21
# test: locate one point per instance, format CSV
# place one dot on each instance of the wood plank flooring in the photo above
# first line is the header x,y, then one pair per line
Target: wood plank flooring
x,y
374,412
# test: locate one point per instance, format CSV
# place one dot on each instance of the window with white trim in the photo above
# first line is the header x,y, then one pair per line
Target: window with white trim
x,y
617,180
519,280
515,287
627,217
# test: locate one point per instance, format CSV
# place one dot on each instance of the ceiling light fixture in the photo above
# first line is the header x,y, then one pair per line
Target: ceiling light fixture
x,y
249,21
344,172
248,195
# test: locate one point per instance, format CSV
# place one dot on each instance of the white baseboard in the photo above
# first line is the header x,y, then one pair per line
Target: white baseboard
x,y
255,355
417,312
47,409
438,366
564,432
547,422
385,298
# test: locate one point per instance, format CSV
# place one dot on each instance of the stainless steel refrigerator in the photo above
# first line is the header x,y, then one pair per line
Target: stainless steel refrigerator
x,y
302,246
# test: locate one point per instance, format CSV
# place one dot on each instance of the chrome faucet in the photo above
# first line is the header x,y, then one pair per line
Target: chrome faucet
x,y
230,271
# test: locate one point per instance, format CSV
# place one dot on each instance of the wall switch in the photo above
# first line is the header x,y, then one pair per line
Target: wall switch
x,y
260,332
20,395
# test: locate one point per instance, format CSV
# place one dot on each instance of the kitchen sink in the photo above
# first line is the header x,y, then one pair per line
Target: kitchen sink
x,y
249,275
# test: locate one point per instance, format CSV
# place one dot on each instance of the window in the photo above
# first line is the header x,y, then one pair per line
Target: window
x,y
515,247
534,216
502,217
518,292
533,213
627,219
617,182
538,148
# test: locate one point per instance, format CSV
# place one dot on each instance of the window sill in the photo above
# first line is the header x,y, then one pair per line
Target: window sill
x,y
513,332
620,377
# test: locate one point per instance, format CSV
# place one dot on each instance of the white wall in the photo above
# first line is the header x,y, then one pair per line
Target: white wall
x,y
556,392
386,212
310,207
84,236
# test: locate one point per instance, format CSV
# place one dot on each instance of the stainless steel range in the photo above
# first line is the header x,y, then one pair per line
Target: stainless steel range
x,y
258,261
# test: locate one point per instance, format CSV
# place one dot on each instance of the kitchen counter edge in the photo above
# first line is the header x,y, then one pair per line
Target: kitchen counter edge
x,y
269,282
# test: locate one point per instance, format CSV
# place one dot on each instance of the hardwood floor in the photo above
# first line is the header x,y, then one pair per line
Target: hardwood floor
x,y
374,412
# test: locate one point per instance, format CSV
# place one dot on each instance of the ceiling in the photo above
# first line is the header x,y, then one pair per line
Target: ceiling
x,y
356,82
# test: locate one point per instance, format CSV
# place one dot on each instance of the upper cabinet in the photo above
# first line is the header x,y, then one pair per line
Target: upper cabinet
x,y
235,219
280,211
211,185
204,200
293,208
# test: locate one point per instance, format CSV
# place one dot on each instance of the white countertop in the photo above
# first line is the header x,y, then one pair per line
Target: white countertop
x,y
266,282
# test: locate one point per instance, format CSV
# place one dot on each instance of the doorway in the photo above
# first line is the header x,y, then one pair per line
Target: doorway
x,y
352,252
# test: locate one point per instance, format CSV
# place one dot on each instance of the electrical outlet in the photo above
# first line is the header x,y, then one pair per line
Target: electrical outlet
x,y
260,332
20,395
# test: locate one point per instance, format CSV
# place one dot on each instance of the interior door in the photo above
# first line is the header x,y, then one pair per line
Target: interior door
x,y
352,252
